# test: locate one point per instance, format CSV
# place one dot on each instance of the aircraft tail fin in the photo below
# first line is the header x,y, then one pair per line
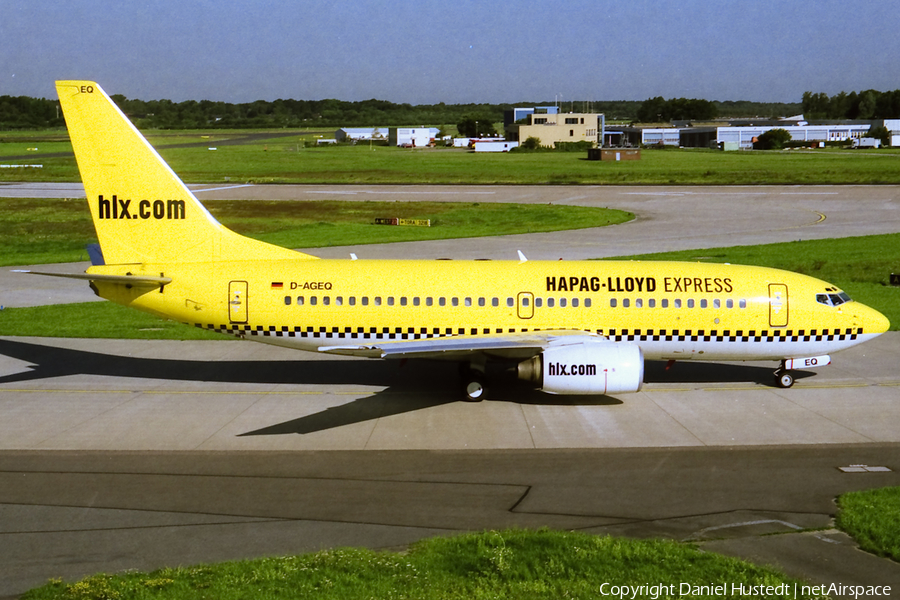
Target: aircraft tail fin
x,y
142,211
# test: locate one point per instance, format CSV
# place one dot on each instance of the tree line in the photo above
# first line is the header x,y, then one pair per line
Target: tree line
x,y
22,112
869,104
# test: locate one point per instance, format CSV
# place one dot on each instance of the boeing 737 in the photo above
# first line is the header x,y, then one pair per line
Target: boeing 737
x,y
570,327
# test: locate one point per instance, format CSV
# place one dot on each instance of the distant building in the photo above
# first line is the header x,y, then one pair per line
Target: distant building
x,y
742,134
517,114
552,128
893,125
840,132
416,137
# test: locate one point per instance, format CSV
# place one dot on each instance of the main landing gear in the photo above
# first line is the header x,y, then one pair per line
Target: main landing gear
x,y
473,381
783,377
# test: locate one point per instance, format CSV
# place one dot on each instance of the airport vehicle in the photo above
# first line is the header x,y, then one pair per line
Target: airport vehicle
x,y
866,142
570,327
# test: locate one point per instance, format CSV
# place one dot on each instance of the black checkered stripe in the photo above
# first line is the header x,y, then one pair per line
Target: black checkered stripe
x,y
370,333
617,335
779,335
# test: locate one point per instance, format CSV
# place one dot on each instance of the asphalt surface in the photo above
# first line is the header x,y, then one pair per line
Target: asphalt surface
x,y
119,454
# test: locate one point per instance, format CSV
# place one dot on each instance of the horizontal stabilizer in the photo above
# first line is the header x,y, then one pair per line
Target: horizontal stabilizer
x,y
133,280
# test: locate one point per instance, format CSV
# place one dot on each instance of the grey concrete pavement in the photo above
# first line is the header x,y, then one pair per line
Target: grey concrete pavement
x,y
77,394
19,289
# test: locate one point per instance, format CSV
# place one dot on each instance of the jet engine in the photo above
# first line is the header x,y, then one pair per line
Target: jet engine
x,y
586,368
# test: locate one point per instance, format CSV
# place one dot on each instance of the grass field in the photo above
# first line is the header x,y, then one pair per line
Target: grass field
x,y
872,518
39,231
511,564
297,160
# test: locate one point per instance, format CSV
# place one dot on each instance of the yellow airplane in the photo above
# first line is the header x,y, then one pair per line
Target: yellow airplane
x,y
571,327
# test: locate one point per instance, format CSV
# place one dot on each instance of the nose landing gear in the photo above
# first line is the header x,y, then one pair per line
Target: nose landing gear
x,y
784,378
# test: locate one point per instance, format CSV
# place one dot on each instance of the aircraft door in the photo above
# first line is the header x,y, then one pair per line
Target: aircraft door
x,y
778,305
237,301
525,305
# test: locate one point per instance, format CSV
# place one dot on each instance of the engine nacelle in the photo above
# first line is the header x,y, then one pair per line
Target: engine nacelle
x,y
586,368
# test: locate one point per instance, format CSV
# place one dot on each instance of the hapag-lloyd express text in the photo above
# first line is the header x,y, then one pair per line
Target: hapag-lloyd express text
x,y
708,285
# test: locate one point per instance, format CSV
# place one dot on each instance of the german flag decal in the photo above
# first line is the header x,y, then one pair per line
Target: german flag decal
x,y
277,285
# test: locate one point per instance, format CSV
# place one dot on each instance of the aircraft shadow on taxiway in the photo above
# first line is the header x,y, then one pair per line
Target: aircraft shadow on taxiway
x,y
418,385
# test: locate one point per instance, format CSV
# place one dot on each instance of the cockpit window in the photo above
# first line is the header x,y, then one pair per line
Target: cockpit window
x,y
832,299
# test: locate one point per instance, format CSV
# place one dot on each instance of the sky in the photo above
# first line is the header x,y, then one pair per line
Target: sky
x,y
460,51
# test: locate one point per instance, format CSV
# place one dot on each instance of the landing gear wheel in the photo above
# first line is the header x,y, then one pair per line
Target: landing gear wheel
x,y
474,386
784,379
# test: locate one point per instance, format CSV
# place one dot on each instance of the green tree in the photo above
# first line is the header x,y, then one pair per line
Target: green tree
x,y
773,139
531,143
867,102
815,106
880,132
472,126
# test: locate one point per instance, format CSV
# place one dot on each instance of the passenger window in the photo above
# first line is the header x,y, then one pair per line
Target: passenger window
x,y
442,301
612,302
538,302
299,300
481,302
377,300
677,303
365,300
454,301
312,300
326,300
665,303
729,303
550,302
416,301
690,303
403,301
495,301
287,300
468,302
352,300
510,302
626,302
562,302
429,301
717,303
390,301
638,303
703,303
587,302
339,301
524,300
651,303
575,302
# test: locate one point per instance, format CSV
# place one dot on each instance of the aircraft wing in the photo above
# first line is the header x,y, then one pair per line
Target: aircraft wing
x,y
510,345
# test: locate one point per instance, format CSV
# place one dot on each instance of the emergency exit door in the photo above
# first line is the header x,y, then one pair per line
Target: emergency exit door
x,y
237,301
778,305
